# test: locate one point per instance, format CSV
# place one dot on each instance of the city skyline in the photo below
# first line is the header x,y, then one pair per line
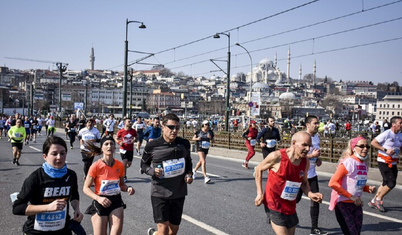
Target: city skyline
x,y
349,40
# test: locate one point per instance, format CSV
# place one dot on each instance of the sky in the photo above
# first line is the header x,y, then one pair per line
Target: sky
x,y
350,40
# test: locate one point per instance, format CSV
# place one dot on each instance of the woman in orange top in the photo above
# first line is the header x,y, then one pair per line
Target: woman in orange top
x,y
108,175
348,184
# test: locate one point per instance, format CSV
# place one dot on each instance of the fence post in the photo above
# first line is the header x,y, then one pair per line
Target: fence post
x,y
331,145
229,139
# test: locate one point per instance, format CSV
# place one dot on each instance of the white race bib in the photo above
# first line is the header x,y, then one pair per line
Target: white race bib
x,y
174,167
17,135
88,136
109,187
360,183
50,221
253,142
205,144
72,129
290,191
271,143
26,125
34,127
122,151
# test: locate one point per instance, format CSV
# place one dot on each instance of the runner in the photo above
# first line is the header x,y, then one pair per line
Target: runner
x,y
153,131
250,135
28,126
312,124
34,129
89,134
270,136
50,126
65,124
71,127
348,183
2,126
287,175
203,138
81,123
126,138
139,126
107,173
17,135
168,187
40,124
109,125
46,193
389,144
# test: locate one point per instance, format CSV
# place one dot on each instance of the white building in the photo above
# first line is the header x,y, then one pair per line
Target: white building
x,y
389,107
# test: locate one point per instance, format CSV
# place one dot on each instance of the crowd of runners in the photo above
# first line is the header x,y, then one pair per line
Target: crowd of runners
x,y
48,193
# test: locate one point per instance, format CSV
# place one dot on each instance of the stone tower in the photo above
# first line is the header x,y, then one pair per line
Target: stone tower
x,y
92,59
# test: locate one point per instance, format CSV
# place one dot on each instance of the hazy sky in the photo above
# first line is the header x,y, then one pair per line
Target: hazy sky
x,y
66,30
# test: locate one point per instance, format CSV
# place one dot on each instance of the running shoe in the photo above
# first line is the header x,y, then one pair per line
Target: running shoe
x,y
317,231
245,165
151,231
194,174
17,163
14,161
71,147
377,205
207,180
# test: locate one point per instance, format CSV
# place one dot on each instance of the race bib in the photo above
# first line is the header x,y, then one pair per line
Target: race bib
x,y
271,143
360,183
253,142
50,221
290,191
205,144
34,127
123,151
174,167
17,135
26,125
72,129
109,187
87,137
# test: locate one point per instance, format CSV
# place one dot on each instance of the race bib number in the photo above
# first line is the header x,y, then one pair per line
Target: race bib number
x,y
17,135
205,144
50,221
34,127
253,142
109,187
360,183
290,191
72,129
271,143
174,167
87,137
26,125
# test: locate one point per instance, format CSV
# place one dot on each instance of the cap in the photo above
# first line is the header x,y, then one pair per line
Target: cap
x,y
205,122
252,122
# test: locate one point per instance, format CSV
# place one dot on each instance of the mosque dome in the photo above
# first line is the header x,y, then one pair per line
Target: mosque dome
x,y
287,96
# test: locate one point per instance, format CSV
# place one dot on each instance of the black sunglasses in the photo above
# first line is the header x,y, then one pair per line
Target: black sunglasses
x,y
173,127
363,146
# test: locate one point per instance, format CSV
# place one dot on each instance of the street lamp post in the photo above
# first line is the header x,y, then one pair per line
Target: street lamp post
x,y
228,81
32,98
62,68
251,76
131,92
142,26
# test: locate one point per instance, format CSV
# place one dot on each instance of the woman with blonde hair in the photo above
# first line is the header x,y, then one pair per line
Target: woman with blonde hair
x,y
348,184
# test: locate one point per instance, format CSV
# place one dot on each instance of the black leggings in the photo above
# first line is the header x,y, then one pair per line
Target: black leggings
x,y
71,136
87,163
314,206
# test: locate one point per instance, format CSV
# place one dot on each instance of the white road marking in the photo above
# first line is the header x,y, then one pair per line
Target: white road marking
x,y
35,148
203,225
210,174
368,213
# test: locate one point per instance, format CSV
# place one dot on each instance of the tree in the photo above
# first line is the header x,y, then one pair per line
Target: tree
x,y
331,101
166,73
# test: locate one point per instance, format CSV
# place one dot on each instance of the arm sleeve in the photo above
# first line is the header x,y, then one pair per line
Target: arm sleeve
x,y
260,134
189,163
244,135
147,160
337,178
75,194
25,195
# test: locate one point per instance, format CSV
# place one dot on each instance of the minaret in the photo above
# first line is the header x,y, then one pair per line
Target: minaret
x,y
300,73
92,58
275,60
314,72
288,69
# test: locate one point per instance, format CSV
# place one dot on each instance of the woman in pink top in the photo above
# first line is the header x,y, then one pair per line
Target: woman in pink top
x,y
348,184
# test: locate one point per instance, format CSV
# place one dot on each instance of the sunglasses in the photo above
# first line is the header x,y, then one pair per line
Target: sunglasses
x,y
363,146
173,127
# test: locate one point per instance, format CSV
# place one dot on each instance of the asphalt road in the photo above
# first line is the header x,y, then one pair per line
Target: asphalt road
x,y
225,206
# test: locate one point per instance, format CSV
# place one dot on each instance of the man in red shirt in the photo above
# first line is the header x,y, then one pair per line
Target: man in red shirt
x,y
125,138
288,173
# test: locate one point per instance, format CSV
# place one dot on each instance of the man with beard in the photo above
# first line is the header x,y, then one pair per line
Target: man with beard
x,y
270,135
287,175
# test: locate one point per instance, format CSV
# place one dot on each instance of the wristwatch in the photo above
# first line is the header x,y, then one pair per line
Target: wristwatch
x,y
385,150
